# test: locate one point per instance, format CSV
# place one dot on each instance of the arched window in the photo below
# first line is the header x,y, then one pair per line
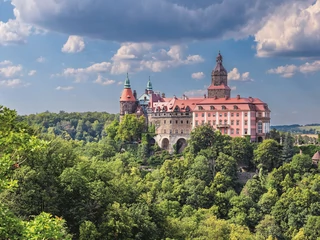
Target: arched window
x,y
212,107
187,109
176,109
223,107
235,107
200,108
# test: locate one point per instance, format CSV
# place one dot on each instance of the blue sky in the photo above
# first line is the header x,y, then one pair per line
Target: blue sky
x,y
73,55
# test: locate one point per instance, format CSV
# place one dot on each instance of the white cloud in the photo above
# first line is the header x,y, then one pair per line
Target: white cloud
x,y
136,57
12,83
233,88
120,83
10,71
66,88
74,44
5,62
104,81
293,30
288,71
235,75
13,32
198,75
32,72
41,59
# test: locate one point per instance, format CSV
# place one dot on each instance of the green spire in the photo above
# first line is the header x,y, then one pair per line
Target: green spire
x,y
149,85
127,82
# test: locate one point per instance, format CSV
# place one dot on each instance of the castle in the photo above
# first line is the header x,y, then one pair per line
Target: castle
x,y
174,118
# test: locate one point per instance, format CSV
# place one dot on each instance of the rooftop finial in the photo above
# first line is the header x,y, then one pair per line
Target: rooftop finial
x,y
219,58
127,82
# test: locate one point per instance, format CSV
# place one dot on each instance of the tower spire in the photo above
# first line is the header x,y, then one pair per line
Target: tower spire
x,y
127,82
149,85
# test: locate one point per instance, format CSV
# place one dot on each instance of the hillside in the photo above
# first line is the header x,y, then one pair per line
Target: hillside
x,y
300,129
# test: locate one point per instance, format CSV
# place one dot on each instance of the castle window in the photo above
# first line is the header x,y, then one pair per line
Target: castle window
x,y
187,109
212,108
246,114
220,115
164,131
235,107
209,115
165,122
260,114
170,131
177,131
238,122
170,122
209,122
225,114
202,115
232,122
176,121
223,107
245,131
196,114
181,122
220,121
232,114
213,123
176,109
196,123
232,131
225,121
181,131
237,131
259,127
245,122
187,122
202,123
200,108
213,115
237,114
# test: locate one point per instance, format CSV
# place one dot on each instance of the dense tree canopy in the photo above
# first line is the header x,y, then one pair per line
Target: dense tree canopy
x,y
117,186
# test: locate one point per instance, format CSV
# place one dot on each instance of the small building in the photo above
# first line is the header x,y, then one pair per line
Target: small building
x,y
316,158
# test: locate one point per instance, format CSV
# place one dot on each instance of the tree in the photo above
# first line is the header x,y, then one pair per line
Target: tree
x,y
131,128
267,155
242,151
201,137
287,148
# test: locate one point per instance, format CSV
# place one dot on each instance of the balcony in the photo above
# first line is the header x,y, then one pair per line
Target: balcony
x,y
223,125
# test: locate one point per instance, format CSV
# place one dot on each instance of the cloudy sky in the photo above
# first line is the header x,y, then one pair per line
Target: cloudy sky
x,y
73,55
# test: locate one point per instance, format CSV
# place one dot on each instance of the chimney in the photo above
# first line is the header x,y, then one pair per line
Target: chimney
x,y
184,97
163,95
238,96
135,94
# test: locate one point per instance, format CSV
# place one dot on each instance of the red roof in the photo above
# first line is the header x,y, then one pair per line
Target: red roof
x,y
316,156
127,95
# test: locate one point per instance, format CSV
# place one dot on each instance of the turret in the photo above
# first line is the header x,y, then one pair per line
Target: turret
x,y
128,102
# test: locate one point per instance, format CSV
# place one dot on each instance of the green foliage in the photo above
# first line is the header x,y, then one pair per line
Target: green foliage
x,y
104,188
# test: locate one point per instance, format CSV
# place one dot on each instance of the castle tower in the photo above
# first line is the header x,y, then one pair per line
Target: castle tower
x,y
149,87
128,103
219,81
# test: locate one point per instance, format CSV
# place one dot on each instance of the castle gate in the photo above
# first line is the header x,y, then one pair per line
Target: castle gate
x,y
168,141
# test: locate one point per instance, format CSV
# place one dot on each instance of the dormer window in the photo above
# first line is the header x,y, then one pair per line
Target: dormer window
x,y
176,109
212,107
223,107
187,109
200,108
235,107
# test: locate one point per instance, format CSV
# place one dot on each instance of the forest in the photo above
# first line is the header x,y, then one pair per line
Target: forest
x,y
88,176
